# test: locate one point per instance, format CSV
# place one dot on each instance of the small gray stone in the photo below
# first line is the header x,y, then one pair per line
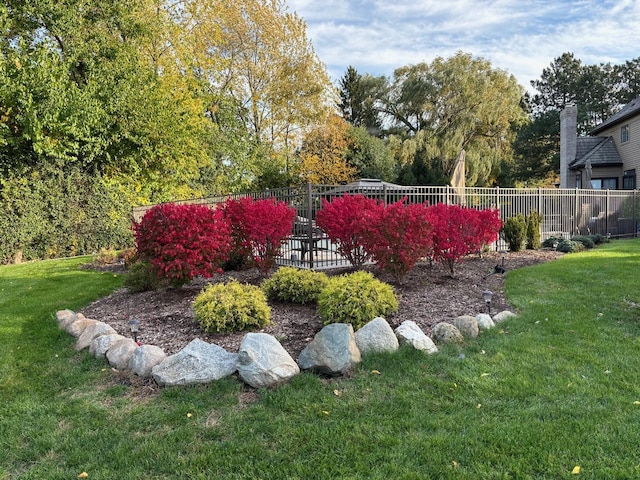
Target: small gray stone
x,y
502,316
263,362
144,358
198,362
467,325
101,345
484,321
446,333
91,332
376,336
333,350
121,352
408,333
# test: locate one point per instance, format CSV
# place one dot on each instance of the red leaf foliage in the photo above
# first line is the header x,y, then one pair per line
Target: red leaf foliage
x,y
346,220
258,228
399,236
459,231
183,241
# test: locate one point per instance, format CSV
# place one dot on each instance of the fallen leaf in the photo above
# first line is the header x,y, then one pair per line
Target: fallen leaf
x,y
576,470
455,464
337,393
189,415
376,372
636,402
83,475
479,405
485,374
325,412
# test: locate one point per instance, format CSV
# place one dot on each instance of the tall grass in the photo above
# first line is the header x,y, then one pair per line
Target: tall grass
x,y
554,389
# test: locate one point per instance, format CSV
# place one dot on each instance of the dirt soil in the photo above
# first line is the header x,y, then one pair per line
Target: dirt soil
x,y
428,295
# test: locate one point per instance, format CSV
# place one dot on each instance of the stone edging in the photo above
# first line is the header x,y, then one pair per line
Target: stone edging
x,y
261,360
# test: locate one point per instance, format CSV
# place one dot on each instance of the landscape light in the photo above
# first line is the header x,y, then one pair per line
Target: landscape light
x,y
134,325
486,296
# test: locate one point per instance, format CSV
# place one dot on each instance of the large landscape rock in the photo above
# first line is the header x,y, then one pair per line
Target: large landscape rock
x,y
467,325
121,352
484,321
263,362
409,333
446,333
78,325
502,316
101,345
198,362
65,317
376,336
91,332
332,351
144,358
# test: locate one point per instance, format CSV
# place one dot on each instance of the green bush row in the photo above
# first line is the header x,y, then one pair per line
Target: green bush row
x,y
354,298
56,213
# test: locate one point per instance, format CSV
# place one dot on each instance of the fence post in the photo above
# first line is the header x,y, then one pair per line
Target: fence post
x,y
539,201
384,195
310,224
635,213
606,207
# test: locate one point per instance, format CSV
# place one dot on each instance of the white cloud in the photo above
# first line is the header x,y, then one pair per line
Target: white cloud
x,y
378,36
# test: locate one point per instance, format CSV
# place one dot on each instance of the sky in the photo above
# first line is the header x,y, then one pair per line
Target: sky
x,y
520,36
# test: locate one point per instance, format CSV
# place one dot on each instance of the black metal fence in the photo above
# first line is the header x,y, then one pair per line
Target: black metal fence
x,y
564,212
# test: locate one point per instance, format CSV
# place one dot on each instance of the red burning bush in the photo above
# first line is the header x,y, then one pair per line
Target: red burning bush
x,y
346,221
183,241
258,229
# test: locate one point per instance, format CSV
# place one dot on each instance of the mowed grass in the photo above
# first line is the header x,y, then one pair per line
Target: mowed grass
x,y
554,389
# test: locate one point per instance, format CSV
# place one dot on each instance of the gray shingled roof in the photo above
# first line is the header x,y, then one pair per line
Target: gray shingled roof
x,y
601,151
631,109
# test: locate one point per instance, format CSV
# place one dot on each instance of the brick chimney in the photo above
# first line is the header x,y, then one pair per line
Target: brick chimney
x,y
568,141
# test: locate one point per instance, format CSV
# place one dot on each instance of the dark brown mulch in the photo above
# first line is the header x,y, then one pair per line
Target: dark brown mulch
x,y
428,295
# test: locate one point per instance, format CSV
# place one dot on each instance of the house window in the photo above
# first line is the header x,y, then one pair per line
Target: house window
x,y
604,183
578,180
629,180
624,134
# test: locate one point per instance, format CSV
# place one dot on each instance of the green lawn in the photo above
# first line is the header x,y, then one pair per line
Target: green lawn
x,y
556,388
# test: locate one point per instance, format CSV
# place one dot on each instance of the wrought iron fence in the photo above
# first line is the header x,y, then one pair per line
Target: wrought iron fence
x,y
563,212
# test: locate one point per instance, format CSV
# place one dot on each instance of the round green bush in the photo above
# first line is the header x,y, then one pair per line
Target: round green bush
x,y
569,246
289,284
231,306
356,298
584,240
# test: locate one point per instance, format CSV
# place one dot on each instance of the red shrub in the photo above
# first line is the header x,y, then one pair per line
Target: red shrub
x,y
183,241
258,228
458,231
399,236
346,220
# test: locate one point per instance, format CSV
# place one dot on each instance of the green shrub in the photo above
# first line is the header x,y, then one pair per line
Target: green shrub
x,y
141,277
289,284
231,306
597,239
551,241
569,246
514,232
356,298
533,230
584,240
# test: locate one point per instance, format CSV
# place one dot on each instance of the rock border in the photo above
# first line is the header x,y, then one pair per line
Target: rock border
x,y
261,360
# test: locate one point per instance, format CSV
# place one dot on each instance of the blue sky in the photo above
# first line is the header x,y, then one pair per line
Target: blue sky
x,y
519,36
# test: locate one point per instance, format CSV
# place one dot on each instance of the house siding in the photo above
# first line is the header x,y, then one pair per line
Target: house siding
x,y
629,151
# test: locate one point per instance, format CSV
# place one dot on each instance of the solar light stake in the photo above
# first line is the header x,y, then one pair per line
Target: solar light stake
x,y
133,325
486,295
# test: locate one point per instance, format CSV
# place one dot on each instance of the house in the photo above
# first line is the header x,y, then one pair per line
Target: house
x,y
606,160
